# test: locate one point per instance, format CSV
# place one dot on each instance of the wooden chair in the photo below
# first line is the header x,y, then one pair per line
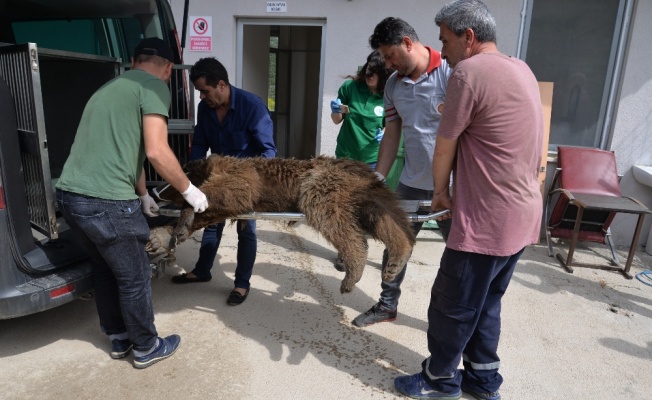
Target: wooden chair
x,y
588,197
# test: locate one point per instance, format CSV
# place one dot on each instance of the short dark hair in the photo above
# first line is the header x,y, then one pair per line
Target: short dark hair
x,y
391,31
460,15
212,70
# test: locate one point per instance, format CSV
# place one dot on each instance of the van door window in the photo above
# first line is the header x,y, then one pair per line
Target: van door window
x,y
75,35
133,34
105,37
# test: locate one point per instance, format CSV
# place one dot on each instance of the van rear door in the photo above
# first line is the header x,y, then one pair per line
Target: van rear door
x,y
109,28
54,54
47,105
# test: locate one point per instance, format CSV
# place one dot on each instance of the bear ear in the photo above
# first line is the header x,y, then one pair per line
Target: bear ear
x,y
198,171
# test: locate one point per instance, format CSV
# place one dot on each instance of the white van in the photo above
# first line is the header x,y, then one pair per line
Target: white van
x,y
54,54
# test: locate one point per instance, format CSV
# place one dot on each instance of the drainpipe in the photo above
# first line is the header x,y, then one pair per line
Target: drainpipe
x,y
615,81
184,25
521,29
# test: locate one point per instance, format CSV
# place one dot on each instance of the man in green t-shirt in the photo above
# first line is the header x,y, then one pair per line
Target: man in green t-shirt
x,y
102,191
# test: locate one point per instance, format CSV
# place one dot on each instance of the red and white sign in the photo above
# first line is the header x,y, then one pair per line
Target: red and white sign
x,y
201,33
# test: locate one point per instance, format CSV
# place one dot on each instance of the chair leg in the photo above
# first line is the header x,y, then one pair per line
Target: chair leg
x,y
549,242
571,249
615,260
632,248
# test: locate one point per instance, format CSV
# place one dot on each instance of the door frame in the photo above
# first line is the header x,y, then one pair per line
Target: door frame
x,y
239,60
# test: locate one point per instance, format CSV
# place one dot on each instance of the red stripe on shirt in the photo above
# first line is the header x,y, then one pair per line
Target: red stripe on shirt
x,y
434,60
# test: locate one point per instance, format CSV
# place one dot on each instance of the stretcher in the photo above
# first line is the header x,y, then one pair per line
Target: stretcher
x,y
416,211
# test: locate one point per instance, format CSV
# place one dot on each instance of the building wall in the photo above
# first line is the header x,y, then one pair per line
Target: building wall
x,y
349,23
348,27
632,135
633,122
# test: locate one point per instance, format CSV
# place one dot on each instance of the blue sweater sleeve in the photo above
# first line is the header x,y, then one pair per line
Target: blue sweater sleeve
x,y
262,132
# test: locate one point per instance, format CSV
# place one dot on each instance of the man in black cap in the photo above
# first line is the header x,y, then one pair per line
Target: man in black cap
x,y
102,191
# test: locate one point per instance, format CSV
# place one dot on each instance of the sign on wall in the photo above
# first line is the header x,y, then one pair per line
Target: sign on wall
x,y
201,33
277,6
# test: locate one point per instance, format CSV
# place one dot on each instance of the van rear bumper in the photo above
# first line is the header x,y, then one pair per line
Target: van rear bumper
x,y
46,292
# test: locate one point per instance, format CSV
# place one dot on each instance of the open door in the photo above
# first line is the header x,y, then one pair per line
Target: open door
x,y
281,61
20,70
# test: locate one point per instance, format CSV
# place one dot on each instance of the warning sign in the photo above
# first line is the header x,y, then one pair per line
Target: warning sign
x,y
201,33
200,26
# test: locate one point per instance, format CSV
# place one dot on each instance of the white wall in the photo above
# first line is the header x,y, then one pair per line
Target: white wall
x,y
633,122
350,23
632,137
348,27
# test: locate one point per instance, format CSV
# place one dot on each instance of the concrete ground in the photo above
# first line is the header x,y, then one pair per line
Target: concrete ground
x,y
586,335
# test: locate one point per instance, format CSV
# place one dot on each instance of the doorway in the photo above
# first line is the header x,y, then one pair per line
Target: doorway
x,y
281,61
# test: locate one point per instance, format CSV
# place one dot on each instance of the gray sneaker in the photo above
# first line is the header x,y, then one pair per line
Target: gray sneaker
x,y
375,314
166,347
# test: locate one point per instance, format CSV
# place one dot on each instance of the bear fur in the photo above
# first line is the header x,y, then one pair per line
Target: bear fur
x,y
341,199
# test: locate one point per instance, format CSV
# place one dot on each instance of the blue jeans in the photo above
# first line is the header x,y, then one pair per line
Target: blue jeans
x,y
247,247
391,291
114,234
464,321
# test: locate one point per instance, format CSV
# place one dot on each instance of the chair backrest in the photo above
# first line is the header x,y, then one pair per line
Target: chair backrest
x,y
584,170
588,170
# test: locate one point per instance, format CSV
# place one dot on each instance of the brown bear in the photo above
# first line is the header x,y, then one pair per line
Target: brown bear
x,y
341,199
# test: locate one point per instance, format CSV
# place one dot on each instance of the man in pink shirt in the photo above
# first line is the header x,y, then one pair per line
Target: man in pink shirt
x,y
490,137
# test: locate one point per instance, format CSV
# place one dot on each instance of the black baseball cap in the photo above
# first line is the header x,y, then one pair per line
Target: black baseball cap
x,y
154,47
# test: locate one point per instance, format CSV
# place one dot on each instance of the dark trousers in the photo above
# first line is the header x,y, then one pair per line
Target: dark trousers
x,y
114,233
247,247
464,321
391,291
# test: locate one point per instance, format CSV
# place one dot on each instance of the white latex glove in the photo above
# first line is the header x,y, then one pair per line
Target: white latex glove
x,y
148,205
379,176
379,134
196,198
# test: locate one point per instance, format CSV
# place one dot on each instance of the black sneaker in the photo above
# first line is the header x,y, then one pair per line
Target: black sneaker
x,y
482,396
120,348
415,387
375,314
235,298
184,278
166,347
339,263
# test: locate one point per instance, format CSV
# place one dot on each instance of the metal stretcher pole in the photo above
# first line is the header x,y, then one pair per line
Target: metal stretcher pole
x,y
289,216
300,217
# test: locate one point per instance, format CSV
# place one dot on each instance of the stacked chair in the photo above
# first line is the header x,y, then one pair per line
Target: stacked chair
x,y
582,201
